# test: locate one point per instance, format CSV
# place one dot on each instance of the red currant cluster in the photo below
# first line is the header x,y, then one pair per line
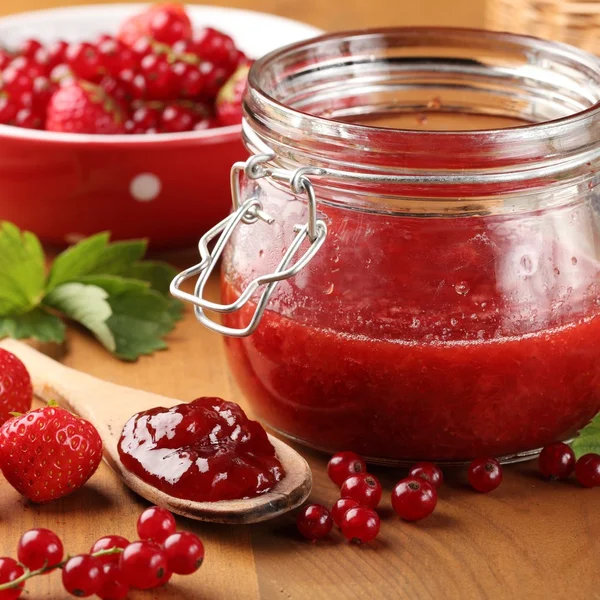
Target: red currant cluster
x,y
557,461
113,564
158,74
413,498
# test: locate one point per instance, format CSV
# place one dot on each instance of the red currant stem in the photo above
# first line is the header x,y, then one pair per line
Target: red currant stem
x,y
173,57
29,574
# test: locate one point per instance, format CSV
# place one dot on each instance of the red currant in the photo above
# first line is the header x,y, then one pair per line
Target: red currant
x,y
214,46
176,118
206,122
43,89
104,37
106,543
364,488
5,58
15,82
168,26
85,61
142,48
82,575
344,464
184,47
360,524
38,548
10,570
414,498
215,78
144,120
587,470
156,524
485,474
116,57
115,89
28,48
29,119
144,565
29,67
57,53
189,80
340,507
314,522
429,472
557,461
138,86
62,75
160,81
185,552
8,109
113,588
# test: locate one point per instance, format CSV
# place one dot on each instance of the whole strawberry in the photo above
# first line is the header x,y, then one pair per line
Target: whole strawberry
x,y
15,386
48,453
83,107
229,99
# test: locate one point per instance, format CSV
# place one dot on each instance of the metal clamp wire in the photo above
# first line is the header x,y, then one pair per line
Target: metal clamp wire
x,y
283,271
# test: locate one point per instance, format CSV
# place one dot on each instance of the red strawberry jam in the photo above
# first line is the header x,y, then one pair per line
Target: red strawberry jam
x,y
206,450
423,338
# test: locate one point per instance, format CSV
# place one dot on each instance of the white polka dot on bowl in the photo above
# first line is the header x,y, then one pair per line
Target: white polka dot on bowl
x,y
145,187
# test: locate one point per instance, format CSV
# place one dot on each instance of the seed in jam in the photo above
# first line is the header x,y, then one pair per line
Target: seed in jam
x,y
207,450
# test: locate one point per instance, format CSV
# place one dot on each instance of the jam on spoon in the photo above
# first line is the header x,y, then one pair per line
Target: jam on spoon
x,y
207,450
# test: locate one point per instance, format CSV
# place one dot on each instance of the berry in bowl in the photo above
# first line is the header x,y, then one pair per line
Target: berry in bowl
x,y
126,117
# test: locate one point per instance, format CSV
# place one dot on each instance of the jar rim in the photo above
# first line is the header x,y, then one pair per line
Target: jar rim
x,y
288,127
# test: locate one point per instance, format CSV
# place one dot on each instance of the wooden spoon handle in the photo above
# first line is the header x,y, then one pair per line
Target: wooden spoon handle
x,y
108,406
105,404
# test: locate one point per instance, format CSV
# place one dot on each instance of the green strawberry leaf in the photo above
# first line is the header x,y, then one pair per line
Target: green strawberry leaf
x,y
38,324
94,256
159,275
588,439
106,287
139,316
22,271
86,304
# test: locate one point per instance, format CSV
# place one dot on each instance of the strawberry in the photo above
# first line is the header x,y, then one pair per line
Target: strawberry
x,y
15,386
165,22
229,98
82,107
48,453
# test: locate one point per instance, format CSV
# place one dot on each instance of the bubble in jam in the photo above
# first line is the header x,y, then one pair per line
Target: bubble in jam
x,y
462,288
207,450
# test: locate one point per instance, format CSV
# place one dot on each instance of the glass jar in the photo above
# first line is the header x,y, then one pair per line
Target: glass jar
x,y
442,302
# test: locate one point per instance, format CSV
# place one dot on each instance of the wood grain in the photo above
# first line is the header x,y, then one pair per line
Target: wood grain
x,y
529,539
109,407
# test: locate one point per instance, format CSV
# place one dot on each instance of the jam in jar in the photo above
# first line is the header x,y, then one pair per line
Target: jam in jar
x,y
447,304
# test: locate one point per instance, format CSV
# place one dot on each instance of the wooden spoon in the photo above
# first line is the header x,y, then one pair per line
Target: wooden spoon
x,y
109,406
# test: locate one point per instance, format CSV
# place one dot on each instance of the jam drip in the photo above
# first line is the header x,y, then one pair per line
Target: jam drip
x,y
207,450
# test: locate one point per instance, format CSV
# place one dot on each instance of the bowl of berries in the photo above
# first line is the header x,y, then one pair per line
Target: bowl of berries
x,y
126,117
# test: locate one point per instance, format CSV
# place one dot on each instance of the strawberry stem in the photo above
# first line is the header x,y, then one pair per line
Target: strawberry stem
x,y
9,585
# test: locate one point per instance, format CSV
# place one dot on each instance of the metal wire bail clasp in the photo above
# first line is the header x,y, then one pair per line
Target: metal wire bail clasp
x,y
249,212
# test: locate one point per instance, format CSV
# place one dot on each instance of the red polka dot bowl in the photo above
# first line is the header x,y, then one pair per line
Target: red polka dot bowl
x,y
169,188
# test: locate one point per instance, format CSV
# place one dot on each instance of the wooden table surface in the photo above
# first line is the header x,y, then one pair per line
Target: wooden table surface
x,y
529,539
